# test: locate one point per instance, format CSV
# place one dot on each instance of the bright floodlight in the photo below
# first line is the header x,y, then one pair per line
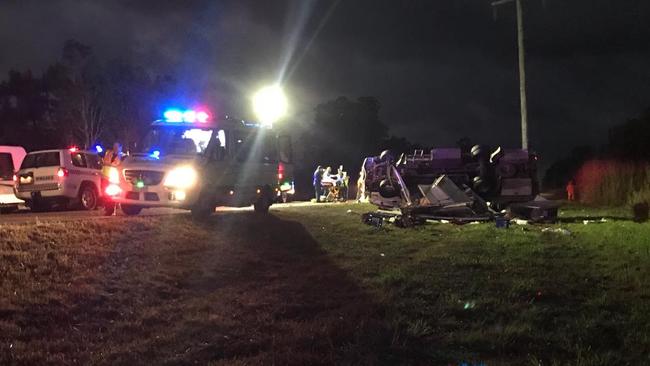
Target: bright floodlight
x,y
269,104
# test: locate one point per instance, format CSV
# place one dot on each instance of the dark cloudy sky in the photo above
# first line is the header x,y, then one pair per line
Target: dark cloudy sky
x,y
441,69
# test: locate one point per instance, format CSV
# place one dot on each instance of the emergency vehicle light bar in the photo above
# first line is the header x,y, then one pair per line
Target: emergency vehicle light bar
x,y
187,116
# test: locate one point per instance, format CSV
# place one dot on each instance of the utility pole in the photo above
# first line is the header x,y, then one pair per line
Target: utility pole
x,y
522,69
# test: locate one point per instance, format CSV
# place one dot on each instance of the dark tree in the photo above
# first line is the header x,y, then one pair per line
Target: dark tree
x,y
345,132
25,112
630,139
398,145
563,170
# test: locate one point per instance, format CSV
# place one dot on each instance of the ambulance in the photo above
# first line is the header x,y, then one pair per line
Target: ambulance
x,y
191,161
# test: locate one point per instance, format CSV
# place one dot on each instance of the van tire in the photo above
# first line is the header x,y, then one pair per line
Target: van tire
x,y
204,205
88,197
264,201
262,205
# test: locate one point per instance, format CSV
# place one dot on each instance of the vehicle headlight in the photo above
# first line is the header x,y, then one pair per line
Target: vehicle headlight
x,y
113,175
181,177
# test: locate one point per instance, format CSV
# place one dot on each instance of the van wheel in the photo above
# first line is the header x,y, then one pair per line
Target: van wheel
x,y
202,211
264,201
261,205
131,210
88,197
204,206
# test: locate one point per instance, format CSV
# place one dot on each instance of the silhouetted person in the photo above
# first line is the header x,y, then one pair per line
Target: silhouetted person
x,y
318,178
343,181
571,190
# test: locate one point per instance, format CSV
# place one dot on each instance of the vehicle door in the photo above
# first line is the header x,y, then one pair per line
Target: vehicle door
x,y
255,158
94,169
39,171
218,171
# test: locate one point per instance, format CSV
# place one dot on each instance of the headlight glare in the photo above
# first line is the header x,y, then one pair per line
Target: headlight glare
x,y
181,177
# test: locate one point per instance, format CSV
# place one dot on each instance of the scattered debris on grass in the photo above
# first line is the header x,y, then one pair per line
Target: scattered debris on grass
x,y
557,230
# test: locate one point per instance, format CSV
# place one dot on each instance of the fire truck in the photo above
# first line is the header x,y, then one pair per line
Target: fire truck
x,y
191,161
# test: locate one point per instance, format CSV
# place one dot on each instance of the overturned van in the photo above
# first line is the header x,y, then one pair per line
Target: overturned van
x,y
478,178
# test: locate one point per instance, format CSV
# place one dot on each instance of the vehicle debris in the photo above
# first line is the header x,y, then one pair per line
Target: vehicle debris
x,y
557,230
458,184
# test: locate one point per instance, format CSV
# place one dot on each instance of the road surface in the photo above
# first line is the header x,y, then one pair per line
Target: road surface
x,y
24,216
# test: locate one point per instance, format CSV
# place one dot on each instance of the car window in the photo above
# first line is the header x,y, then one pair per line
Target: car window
x,y
6,166
93,161
43,159
78,160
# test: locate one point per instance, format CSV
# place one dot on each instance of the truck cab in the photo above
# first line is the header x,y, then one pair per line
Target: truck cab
x,y
189,164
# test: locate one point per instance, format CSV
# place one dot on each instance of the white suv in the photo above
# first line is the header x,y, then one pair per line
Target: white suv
x,y
64,177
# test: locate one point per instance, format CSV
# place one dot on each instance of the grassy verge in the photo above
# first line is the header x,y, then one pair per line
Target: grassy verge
x,y
517,296
313,285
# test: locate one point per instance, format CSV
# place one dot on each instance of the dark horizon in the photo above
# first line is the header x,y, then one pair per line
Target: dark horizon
x,y
441,70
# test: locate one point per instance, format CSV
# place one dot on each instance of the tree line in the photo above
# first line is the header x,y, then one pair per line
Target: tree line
x,y
626,142
79,100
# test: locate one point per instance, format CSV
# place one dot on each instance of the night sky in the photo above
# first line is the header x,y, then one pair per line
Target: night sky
x,y
441,69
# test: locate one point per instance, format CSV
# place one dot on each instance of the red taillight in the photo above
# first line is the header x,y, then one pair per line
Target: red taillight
x,y
63,172
280,171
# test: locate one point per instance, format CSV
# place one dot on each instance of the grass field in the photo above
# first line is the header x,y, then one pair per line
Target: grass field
x,y
313,285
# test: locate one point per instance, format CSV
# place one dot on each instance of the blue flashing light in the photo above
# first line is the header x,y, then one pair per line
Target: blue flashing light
x,y
99,149
187,116
155,154
173,115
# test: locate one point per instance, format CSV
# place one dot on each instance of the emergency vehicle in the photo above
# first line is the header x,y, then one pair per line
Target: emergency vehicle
x,y
65,177
190,161
10,159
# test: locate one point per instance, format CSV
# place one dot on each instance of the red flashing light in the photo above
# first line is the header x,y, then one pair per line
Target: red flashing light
x,y
62,172
15,178
280,171
73,149
202,116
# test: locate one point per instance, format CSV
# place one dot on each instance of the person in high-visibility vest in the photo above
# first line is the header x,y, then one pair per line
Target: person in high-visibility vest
x,y
113,157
